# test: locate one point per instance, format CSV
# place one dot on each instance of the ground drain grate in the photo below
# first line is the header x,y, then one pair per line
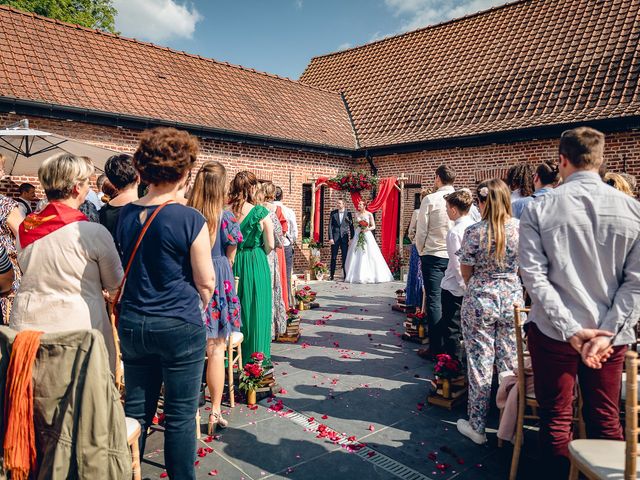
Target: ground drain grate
x,y
366,453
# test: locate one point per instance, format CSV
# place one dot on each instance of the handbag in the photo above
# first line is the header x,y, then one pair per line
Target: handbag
x,y
114,307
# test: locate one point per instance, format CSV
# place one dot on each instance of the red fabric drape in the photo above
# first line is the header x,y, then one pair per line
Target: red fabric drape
x,y
387,199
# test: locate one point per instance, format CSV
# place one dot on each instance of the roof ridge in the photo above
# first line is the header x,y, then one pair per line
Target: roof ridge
x,y
160,47
426,27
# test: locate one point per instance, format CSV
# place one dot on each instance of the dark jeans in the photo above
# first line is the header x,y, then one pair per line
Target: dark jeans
x,y
169,350
432,272
555,367
450,324
288,258
341,244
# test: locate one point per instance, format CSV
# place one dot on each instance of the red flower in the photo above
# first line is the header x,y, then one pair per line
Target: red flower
x,y
259,356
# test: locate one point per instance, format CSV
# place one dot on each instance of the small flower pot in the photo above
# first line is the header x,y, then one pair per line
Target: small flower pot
x,y
301,305
320,276
251,397
315,252
446,388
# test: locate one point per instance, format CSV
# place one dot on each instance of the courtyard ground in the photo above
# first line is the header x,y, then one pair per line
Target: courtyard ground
x,y
351,372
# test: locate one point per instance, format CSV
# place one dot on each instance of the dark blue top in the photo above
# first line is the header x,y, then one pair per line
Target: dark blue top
x,y
160,283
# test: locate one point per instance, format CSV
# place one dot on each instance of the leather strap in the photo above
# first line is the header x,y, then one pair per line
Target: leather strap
x,y
146,226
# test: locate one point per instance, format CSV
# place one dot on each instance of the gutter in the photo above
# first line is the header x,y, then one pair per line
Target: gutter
x,y
119,120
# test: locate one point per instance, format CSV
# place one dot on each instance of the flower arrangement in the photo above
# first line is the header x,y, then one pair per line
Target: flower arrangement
x,y
363,224
353,181
293,314
320,268
447,367
253,373
395,265
305,294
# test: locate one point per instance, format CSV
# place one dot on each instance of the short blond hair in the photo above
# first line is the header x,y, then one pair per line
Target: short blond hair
x,y
60,173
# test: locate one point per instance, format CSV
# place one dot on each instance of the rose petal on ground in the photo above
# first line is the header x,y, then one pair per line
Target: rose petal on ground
x,y
164,475
213,473
324,417
372,428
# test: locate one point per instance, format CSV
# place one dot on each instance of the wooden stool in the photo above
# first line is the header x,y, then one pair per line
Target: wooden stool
x,y
133,434
234,347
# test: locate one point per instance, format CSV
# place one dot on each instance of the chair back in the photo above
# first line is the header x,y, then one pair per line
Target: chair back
x,y
631,416
522,384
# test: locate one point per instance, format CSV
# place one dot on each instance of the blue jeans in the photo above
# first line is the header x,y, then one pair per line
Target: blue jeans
x,y
169,350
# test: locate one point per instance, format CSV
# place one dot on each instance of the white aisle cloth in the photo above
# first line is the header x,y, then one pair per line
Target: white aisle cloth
x,y
366,265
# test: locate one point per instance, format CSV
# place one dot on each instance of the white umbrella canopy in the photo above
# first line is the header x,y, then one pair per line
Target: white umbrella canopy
x,y
25,149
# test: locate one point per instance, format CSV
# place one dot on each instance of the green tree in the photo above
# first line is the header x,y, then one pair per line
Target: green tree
x,y
98,14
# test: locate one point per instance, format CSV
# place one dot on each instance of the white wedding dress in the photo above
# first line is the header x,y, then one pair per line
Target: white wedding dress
x,y
366,265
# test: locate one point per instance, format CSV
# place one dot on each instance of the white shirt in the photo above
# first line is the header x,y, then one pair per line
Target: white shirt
x,y
433,224
292,225
452,280
340,215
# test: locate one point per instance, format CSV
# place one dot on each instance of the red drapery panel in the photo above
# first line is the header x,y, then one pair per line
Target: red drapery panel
x,y
387,199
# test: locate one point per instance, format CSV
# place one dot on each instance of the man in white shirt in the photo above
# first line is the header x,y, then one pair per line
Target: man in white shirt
x,y
431,233
290,237
453,286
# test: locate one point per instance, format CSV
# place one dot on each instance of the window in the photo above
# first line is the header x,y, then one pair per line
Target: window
x,y
306,211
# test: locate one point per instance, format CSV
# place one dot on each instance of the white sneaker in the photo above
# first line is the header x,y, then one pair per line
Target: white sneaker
x,y
465,428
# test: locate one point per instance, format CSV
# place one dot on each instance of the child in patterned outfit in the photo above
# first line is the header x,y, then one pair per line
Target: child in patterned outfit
x,y
489,266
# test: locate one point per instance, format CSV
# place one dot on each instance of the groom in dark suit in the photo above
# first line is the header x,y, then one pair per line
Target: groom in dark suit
x,y
340,234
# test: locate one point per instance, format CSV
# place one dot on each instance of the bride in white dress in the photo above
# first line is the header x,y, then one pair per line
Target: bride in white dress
x,y
365,263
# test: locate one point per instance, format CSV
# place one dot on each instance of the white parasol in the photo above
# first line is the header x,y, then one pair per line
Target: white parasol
x,y
25,149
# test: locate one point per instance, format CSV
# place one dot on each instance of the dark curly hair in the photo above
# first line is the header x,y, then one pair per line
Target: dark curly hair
x,y
120,170
164,155
520,177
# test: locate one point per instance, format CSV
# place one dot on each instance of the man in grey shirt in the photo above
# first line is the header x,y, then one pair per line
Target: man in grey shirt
x,y
580,263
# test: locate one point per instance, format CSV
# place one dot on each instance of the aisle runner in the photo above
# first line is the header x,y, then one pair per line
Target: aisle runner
x,y
362,450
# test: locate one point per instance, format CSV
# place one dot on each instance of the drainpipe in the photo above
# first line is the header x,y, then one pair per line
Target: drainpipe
x,y
372,165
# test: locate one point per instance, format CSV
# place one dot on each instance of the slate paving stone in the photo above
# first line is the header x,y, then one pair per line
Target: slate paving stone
x,y
380,389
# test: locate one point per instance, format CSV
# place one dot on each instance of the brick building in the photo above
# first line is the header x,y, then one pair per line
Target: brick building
x,y
480,93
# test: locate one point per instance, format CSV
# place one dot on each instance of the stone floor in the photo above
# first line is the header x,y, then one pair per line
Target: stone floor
x,y
351,372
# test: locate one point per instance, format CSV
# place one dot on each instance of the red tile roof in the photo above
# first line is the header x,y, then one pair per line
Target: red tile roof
x,y
54,62
526,64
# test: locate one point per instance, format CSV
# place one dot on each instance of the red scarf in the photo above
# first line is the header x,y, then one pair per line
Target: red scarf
x,y
54,216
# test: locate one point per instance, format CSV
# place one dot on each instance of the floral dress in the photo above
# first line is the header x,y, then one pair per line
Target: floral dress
x,y
222,316
8,241
279,325
487,319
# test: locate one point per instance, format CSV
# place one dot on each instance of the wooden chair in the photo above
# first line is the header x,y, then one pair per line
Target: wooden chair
x,y
234,357
607,459
528,401
133,434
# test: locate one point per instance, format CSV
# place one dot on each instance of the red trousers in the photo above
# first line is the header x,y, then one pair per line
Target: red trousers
x,y
555,367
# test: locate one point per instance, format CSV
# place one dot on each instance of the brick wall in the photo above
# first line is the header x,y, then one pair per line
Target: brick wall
x,y
287,168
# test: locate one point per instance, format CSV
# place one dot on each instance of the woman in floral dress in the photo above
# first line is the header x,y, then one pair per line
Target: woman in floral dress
x,y
222,315
489,266
10,220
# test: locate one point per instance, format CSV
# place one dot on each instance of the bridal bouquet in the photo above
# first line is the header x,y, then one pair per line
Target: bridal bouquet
x,y
363,224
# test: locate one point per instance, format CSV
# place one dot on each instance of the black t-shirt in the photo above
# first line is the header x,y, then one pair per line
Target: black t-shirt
x,y
109,218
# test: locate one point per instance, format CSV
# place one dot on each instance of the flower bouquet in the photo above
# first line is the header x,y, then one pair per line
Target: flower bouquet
x,y
293,314
363,224
319,270
353,181
395,265
252,376
304,296
448,370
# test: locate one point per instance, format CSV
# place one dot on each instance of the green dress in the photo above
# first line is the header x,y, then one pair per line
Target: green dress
x,y
254,286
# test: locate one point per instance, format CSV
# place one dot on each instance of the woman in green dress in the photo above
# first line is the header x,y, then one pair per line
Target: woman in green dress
x,y
252,267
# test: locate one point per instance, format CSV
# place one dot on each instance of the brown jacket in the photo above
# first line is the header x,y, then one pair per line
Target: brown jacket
x,y
78,417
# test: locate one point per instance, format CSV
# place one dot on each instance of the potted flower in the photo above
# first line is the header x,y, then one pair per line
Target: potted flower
x,y
315,247
293,314
304,296
446,370
319,270
251,377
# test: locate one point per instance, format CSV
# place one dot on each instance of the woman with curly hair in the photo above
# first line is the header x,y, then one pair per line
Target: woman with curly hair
x,y
520,181
489,266
252,267
171,280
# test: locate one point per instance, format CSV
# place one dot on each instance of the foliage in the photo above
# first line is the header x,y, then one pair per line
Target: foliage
x,y
311,243
305,294
447,367
320,268
353,181
363,224
99,14
252,374
395,265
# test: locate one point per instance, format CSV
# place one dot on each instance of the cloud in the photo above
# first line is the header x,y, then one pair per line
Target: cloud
x,y
345,45
420,13
156,20
299,4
